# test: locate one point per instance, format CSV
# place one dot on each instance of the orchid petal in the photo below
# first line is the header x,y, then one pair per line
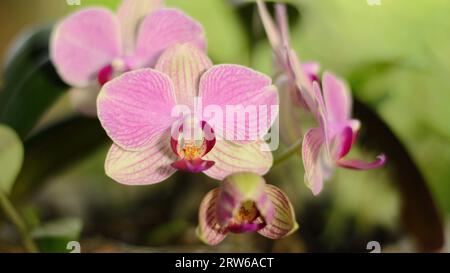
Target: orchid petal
x,y
84,99
360,165
313,143
83,43
238,188
272,30
184,64
247,99
209,229
341,140
311,70
337,98
282,22
130,14
301,76
148,166
162,29
230,158
283,223
136,107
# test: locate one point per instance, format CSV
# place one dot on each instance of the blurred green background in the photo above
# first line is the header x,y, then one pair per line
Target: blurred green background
x,y
395,55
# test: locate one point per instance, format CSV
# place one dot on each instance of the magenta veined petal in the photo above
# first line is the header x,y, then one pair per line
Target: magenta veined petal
x,y
130,14
161,29
184,64
136,107
83,43
231,158
283,223
312,146
247,93
209,229
361,165
149,166
337,98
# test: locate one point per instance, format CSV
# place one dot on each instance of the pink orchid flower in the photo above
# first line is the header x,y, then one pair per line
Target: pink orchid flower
x,y
93,45
298,77
245,203
325,147
150,143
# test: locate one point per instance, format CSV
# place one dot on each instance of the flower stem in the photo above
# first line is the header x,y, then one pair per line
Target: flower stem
x,y
293,149
17,220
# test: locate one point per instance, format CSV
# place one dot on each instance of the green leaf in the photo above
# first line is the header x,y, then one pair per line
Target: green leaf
x,y
63,145
31,84
55,236
11,157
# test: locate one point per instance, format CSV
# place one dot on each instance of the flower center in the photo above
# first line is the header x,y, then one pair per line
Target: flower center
x,y
247,213
191,150
111,71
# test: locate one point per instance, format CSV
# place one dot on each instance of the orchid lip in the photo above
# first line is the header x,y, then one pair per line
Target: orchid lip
x,y
191,151
193,166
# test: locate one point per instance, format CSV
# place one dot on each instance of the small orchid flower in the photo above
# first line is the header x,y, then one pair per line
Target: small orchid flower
x,y
151,142
245,203
325,147
93,45
298,77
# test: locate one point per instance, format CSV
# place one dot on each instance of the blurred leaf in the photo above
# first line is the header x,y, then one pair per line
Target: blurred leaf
x,y
11,157
55,236
31,84
227,39
420,215
52,150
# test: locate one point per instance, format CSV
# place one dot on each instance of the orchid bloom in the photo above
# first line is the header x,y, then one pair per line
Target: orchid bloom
x,y
93,45
298,77
245,203
151,142
325,147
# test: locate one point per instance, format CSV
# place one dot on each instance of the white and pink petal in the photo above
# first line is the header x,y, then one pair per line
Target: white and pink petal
x,y
184,64
209,230
284,222
231,158
149,166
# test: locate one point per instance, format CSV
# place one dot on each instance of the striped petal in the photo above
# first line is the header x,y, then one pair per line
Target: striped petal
x,y
283,223
247,99
83,43
312,146
136,107
130,14
338,101
148,166
162,29
209,229
184,64
230,158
